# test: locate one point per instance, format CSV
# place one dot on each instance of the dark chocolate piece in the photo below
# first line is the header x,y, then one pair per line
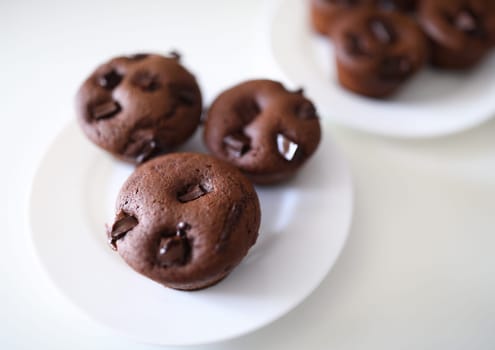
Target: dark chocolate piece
x,y
105,110
175,55
382,31
353,44
395,67
468,22
286,147
173,251
229,224
237,144
182,227
149,149
123,224
191,193
110,80
146,81
186,96
142,145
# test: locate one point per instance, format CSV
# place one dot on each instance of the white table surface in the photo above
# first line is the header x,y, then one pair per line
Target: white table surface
x,y
418,271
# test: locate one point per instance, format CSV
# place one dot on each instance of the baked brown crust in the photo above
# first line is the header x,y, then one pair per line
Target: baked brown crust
x,y
263,129
185,220
461,32
377,51
139,106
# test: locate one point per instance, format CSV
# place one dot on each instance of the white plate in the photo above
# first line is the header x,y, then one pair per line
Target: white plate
x,y
432,103
304,227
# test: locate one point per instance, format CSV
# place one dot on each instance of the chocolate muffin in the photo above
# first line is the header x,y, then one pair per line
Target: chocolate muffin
x,y
377,51
185,220
139,106
461,32
263,129
324,13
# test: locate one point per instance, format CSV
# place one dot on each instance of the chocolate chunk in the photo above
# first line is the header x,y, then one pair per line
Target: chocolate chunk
x,y
110,80
123,224
105,110
237,144
229,224
382,31
175,55
146,81
186,97
286,147
183,94
395,67
405,66
173,251
138,56
353,44
182,227
299,91
148,149
306,110
191,193
467,22
142,145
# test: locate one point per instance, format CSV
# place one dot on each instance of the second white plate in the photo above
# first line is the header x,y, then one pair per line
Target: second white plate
x,y
432,103
304,226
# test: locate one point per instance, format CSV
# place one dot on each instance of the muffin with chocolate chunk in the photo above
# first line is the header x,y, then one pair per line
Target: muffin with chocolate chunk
x,y
185,220
136,107
461,32
376,51
262,128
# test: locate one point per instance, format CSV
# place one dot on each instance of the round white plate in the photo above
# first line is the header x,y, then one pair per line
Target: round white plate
x,y
433,103
304,227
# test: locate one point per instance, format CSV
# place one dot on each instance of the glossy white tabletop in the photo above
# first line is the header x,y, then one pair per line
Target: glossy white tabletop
x,y
418,271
